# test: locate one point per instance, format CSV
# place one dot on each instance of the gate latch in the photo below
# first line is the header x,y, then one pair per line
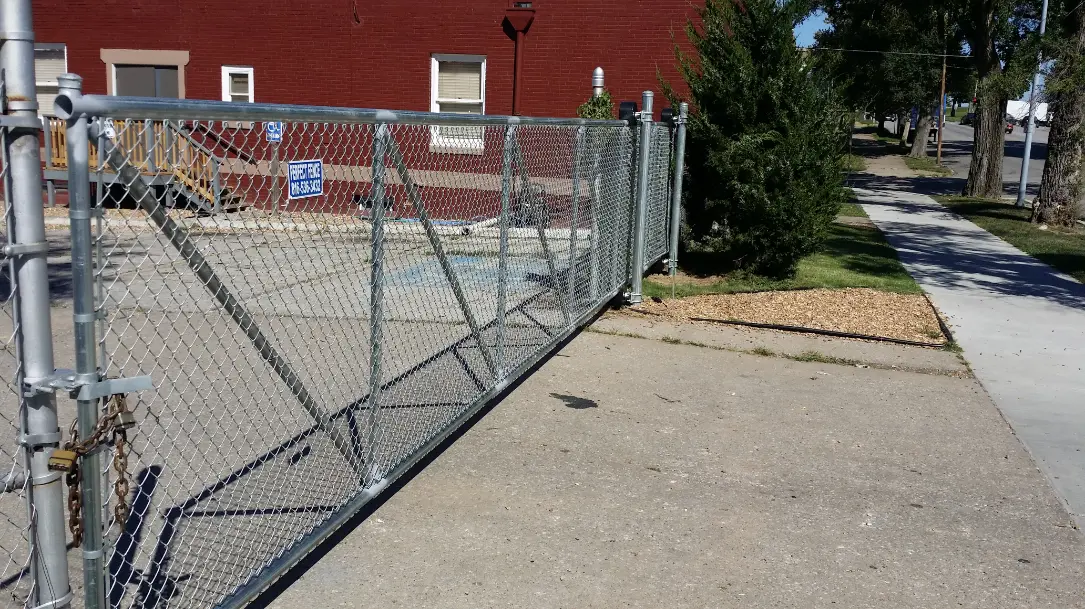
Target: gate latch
x,y
68,380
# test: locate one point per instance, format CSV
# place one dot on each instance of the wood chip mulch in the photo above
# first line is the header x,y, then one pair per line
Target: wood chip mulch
x,y
853,310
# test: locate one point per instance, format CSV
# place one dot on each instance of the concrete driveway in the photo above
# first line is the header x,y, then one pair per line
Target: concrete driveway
x,y
641,473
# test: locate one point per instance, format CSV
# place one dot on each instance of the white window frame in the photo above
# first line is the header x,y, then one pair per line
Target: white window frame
x,y
227,71
458,144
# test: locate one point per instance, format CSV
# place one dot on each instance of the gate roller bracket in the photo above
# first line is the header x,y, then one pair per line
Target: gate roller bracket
x,y
67,380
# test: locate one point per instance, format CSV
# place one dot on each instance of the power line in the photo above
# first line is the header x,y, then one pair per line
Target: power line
x,y
887,52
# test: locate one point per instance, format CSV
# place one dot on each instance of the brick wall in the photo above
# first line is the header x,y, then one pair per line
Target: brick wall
x,y
376,53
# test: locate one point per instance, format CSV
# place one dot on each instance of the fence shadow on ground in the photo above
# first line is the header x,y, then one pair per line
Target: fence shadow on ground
x,y
952,258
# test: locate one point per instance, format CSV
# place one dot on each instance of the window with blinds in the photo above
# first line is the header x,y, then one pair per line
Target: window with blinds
x,y
50,61
237,85
458,87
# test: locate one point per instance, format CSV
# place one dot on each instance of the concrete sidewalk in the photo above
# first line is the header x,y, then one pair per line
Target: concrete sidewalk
x,y
628,472
1020,322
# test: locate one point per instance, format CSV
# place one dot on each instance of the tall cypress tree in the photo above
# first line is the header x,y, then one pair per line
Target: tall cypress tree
x,y
766,138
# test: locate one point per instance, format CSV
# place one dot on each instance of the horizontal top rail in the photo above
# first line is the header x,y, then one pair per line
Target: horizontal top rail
x,y
69,106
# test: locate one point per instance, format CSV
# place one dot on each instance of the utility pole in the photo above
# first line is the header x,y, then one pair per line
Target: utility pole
x,y
941,110
1022,185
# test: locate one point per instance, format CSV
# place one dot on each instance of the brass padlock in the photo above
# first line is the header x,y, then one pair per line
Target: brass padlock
x,y
125,420
62,460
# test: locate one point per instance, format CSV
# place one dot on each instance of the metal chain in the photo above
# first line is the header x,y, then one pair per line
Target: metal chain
x,y
120,465
74,477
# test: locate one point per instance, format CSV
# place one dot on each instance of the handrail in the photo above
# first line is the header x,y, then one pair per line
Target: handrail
x,y
189,140
230,146
68,105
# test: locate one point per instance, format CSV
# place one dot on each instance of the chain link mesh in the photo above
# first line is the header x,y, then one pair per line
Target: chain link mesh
x,y
659,194
16,586
305,351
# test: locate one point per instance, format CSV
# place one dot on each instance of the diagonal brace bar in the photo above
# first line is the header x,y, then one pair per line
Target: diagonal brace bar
x,y
435,242
180,240
547,253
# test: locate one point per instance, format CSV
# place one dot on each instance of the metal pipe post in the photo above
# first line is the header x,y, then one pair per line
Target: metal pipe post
x,y
216,186
596,208
676,191
1022,184
376,286
40,429
597,82
636,272
503,251
574,221
86,368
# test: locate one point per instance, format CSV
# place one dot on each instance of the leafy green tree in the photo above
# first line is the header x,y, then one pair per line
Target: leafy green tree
x,y
1062,189
892,60
1002,41
766,138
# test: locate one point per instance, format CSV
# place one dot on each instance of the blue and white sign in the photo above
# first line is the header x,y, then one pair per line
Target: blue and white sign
x,y
305,178
273,132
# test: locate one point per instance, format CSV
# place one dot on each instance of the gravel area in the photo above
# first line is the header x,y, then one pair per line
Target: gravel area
x,y
855,310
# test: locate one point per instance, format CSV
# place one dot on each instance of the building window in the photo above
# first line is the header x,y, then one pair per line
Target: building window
x,y
458,85
146,81
237,84
145,72
50,61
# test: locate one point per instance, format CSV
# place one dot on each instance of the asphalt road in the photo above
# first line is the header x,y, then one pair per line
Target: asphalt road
x,y
957,155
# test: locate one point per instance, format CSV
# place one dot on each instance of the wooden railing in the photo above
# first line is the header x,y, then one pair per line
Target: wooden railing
x,y
171,152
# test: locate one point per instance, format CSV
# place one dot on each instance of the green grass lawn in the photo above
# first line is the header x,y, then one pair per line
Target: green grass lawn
x,y
853,257
1063,249
852,209
854,162
926,164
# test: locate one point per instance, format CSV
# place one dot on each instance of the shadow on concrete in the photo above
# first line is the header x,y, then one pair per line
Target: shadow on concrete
x,y
955,258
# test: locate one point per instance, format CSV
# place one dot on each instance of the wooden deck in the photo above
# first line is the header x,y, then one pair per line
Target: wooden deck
x,y
162,152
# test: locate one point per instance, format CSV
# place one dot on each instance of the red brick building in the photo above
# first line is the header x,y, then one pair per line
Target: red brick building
x,y
423,55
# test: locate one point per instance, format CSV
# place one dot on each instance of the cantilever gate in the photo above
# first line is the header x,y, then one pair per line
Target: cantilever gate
x,y
298,303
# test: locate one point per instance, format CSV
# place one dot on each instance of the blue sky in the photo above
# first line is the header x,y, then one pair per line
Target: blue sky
x,y
804,32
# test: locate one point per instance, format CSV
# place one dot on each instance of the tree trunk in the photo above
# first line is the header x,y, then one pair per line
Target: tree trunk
x,y
905,128
922,132
988,147
881,124
1062,188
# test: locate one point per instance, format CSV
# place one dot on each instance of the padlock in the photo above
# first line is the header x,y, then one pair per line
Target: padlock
x,y
62,460
125,420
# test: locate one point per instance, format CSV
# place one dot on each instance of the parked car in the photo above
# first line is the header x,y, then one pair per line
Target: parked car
x,y
969,118
1009,120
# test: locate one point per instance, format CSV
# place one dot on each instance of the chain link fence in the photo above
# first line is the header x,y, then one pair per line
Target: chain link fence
x,y
300,303
278,311
15,529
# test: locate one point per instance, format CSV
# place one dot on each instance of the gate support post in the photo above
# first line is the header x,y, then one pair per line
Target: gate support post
x,y
676,191
503,251
86,367
26,228
376,292
636,271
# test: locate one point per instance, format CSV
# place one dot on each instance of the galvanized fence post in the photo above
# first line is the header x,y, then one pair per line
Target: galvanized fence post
x,y
86,368
596,207
503,248
574,220
676,191
376,287
636,272
40,430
